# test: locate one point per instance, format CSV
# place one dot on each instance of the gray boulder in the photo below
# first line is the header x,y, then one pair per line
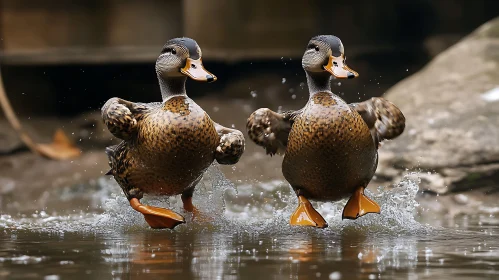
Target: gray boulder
x,y
452,112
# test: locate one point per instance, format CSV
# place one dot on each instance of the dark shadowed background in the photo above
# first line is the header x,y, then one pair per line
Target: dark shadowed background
x,y
61,57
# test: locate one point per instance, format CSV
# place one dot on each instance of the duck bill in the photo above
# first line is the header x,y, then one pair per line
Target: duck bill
x,y
339,69
194,69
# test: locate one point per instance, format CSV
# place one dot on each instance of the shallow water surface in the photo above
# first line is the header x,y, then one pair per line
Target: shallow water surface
x,y
244,234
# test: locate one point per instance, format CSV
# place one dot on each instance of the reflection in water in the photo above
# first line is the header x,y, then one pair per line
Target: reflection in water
x,y
248,237
193,255
200,253
367,255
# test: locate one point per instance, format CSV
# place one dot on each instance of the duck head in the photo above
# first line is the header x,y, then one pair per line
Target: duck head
x,y
325,53
181,57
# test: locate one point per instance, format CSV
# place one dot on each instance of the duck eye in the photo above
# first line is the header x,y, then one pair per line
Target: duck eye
x,y
313,47
170,50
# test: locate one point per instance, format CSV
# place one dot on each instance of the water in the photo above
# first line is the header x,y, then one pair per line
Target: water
x,y
245,235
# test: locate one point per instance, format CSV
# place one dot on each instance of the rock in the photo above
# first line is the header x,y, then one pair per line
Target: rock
x,y
439,43
452,112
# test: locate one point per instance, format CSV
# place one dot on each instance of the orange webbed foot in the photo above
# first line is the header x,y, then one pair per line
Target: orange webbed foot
x,y
306,215
157,217
358,205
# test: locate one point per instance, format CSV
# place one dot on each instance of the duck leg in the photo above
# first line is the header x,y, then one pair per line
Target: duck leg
x,y
157,217
358,205
189,207
187,201
306,215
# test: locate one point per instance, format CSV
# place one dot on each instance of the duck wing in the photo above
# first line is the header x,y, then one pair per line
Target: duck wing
x,y
121,116
270,129
231,146
384,119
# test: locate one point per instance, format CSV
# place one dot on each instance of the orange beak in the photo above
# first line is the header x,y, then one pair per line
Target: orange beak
x,y
195,70
339,69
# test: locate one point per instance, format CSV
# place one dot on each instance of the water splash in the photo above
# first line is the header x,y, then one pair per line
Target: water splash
x,y
260,207
267,206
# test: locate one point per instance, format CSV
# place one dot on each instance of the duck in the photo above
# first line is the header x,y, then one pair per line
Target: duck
x,y
167,146
330,147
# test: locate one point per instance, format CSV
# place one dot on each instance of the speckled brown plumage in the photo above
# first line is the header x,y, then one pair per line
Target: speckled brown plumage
x,y
330,147
231,145
270,129
167,146
174,144
120,116
385,120
330,150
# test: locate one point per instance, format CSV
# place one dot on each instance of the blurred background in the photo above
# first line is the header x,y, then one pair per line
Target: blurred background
x,y
64,57
62,60
437,60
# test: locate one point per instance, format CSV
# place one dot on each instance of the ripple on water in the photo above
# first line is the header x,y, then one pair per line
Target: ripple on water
x,y
261,207
23,259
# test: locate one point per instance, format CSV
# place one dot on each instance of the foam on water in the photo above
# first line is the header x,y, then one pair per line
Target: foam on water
x,y
267,207
262,207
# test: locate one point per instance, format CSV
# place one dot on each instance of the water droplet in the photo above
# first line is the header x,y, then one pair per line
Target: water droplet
x,y
335,275
253,93
283,80
293,96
